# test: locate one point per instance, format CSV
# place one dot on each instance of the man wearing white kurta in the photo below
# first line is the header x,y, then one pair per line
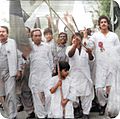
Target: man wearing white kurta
x,y
8,71
104,41
41,66
80,73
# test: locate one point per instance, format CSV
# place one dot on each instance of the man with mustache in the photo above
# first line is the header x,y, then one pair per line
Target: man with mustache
x,y
8,72
104,41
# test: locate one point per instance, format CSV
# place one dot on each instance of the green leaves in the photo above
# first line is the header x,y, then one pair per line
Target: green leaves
x,y
105,7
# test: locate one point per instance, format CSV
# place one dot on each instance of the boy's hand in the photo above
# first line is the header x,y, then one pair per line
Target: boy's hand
x,y
64,102
59,83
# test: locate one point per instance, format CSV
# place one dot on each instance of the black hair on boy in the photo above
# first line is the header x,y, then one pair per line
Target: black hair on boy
x,y
64,65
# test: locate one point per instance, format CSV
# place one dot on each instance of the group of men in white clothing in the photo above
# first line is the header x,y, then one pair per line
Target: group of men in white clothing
x,y
60,75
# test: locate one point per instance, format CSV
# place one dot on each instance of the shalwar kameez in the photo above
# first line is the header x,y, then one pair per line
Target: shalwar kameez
x,y
56,110
8,71
81,79
41,66
103,44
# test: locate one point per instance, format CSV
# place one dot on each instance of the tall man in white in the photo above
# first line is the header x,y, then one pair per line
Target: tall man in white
x,y
104,41
41,66
8,71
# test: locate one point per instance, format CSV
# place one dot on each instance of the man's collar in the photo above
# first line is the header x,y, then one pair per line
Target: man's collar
x,y
4,42
62,45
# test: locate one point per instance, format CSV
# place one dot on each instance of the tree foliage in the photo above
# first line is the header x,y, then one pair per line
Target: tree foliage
x,y
105,7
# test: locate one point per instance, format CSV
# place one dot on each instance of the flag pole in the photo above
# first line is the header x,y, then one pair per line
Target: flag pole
x,y
61,91
112,15
63,22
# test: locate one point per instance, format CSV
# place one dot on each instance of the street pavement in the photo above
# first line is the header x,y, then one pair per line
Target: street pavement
x,y
93,115
23,115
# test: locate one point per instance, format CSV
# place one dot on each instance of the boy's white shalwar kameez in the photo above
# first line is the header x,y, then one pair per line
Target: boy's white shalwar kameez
x,y
103,74
41,66
56,110
81,79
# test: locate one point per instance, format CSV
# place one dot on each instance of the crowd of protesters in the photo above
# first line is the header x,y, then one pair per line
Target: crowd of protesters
x,y
60,79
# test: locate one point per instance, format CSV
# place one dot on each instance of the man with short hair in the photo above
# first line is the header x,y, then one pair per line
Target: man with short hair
x,y
41,66
61,46
8,72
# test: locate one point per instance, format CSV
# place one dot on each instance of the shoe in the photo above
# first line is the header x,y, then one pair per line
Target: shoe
x,y
1,106
78,113
31,115
14,118
102,110
95,106
85,116
20,108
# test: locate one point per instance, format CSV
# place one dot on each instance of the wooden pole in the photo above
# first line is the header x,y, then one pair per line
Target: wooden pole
x,y
63,22
61,92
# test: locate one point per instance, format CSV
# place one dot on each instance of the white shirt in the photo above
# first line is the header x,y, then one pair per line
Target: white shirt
x,y
41,66
68,93
103,56
80,72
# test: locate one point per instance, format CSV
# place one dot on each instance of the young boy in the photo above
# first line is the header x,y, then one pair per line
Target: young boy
x,y
58,103
48,34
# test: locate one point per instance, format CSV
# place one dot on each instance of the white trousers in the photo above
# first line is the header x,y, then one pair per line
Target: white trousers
x,y
9,104
86,102
101,95
41,102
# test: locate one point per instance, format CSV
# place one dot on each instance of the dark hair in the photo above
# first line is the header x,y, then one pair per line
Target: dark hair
x,y
89,31
6,28
28,29
64,65
36,29
47,30
103,17
62,33
59,40
76,34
